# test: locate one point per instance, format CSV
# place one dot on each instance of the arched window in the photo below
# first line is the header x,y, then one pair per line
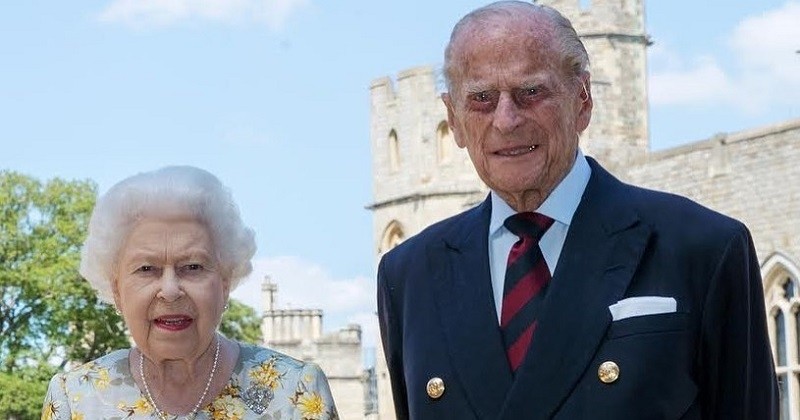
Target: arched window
x,y
780,339
394,151
444,143
392,236
780,276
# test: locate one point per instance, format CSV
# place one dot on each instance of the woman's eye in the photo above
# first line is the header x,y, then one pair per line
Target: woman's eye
x,y
145,268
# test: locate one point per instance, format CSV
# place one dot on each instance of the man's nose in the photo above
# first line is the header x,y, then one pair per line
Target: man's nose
x,y
170,286
507,115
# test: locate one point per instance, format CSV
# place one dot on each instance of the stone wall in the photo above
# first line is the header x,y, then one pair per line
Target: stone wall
x,y
753,176
298,333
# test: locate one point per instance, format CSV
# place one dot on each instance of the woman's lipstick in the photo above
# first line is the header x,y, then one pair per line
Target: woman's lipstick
x,y
173,322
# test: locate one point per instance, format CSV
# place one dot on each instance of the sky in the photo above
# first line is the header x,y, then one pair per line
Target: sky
x,y
272,96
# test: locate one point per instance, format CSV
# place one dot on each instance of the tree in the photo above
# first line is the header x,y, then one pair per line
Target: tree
x,y
241,322
45,307
47,312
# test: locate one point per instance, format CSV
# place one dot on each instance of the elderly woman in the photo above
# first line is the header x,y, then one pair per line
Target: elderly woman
x,y
166,248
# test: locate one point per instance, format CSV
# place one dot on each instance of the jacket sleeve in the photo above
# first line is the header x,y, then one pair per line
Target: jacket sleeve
x,y
313,395
56,403
391,339
737,375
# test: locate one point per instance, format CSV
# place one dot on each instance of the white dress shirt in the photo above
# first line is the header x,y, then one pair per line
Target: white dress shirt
x,y
560,206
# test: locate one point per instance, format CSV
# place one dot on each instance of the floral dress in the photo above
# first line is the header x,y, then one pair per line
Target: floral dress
x,y
264,384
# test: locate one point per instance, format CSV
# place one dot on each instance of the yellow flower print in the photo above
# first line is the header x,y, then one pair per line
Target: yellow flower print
x,y
231,390
311,405
266,375
77,416
227,408
97,375
50,410
141,406
101,379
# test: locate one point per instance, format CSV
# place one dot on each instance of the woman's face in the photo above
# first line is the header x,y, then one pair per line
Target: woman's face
x,y
169,288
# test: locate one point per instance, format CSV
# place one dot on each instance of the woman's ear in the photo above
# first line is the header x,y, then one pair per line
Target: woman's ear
x,y
117,300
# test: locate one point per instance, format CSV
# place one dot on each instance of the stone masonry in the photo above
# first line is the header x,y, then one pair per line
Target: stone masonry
x,y
298,333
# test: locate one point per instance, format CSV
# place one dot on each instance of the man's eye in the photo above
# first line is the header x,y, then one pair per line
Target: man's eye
x,y
482,96
193,267
527,96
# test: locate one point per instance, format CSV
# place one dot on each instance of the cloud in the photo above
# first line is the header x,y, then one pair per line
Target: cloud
x,y
160,13
763,75
705,82
306,285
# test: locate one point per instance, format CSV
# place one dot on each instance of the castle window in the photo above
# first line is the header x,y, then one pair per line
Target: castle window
x,y
444,143
392,236
780,338
394,151
780,280
783,391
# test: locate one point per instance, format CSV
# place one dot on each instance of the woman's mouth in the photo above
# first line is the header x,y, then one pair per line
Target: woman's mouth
x,y
173,322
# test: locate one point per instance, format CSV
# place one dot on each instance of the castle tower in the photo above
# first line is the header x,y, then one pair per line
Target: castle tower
x,y
298,333
613,32
419,174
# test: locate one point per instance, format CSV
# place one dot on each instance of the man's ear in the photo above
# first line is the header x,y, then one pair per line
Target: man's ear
x,y
451,120
586,103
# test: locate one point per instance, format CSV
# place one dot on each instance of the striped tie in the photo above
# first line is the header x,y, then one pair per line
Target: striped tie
x,y
526,280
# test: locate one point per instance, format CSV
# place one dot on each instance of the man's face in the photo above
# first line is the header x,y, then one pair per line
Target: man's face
x,y
516,109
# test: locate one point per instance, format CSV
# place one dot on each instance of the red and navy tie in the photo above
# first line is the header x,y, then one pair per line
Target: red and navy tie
x,y
527,277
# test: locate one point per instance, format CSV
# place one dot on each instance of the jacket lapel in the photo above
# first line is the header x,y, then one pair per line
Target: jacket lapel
x,y
603,248
463,292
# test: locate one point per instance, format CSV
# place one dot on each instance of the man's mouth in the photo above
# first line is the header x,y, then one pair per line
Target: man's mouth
x,y
516,151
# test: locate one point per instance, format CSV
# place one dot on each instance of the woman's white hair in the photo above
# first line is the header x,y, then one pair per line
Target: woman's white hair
x,y
174,192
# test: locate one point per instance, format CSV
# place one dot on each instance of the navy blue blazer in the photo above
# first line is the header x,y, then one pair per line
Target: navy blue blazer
x,y
709,360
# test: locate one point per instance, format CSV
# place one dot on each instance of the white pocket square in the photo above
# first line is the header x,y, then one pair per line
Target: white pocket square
x,y
642,305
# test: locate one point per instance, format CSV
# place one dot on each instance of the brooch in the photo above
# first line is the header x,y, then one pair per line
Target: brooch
x,y
257,398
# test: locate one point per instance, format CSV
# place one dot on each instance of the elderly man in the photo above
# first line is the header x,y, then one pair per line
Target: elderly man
x,y
566,294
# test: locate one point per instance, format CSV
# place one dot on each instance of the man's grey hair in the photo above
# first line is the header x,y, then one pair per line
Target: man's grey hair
x,y
171,193
568,45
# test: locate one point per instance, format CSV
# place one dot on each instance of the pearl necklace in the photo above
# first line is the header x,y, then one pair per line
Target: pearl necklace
x,y
161,414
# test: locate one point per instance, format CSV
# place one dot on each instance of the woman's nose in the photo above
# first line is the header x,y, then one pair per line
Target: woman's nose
x,y
170,286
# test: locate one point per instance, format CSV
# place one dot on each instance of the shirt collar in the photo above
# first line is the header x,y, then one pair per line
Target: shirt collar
x,y
560,205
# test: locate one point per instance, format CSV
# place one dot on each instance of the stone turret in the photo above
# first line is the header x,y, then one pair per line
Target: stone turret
x,y
613,32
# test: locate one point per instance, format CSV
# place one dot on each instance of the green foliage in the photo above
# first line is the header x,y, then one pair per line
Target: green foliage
x,y
241,322
23,392
47,311
46,308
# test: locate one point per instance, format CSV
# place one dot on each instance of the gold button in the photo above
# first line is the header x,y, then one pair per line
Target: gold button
x,y
608,372
435,388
